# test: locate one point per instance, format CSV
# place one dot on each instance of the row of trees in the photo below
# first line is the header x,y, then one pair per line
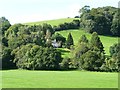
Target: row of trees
x,y
90,55
103,20
75,24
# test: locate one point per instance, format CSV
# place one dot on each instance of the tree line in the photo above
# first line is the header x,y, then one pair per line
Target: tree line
x,y
90,55
103,20
30,47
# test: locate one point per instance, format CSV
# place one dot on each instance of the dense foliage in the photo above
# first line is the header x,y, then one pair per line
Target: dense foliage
x,y
4,25
113,63
7,58
103,20
35,57
89,54
75,24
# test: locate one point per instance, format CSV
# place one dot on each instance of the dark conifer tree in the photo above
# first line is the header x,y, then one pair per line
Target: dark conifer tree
x,y
69,41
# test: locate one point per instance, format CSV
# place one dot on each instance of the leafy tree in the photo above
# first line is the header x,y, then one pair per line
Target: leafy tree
x,y
114,49
69,41
7,58
103,20
4,25
47,27
12,31
112,63
19,34
84,9
115,27
115,61
4,42
64,65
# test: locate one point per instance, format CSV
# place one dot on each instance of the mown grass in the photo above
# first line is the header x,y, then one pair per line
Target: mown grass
x,y
106,40
52,22
58,79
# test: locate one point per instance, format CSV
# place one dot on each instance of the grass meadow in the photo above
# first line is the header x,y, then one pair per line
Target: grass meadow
x,y
58,79
52,22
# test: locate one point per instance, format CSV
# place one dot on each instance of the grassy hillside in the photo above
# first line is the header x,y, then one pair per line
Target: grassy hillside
x,y
58,79
106,40
52,22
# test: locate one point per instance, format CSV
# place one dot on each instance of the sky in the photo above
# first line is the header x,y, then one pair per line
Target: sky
x,y
21,11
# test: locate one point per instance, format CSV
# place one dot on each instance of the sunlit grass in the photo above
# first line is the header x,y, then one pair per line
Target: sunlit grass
x,y
58,79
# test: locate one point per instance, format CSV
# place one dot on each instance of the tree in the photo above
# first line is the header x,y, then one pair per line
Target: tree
x,y
83,39
65,64
7,58
91,61
19,34
112,63
103,20
47,27
96,42
114,49
4,42
12,31
84,9
4,25
69,41
115,27
34,57
81,49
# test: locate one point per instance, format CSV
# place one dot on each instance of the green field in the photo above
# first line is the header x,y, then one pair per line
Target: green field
x,y
52,22
58,79
106,40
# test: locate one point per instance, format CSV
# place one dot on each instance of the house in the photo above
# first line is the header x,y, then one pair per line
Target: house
x,y
56,44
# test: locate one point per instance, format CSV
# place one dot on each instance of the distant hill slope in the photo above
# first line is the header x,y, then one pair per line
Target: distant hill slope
x,y
106,40
52,22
